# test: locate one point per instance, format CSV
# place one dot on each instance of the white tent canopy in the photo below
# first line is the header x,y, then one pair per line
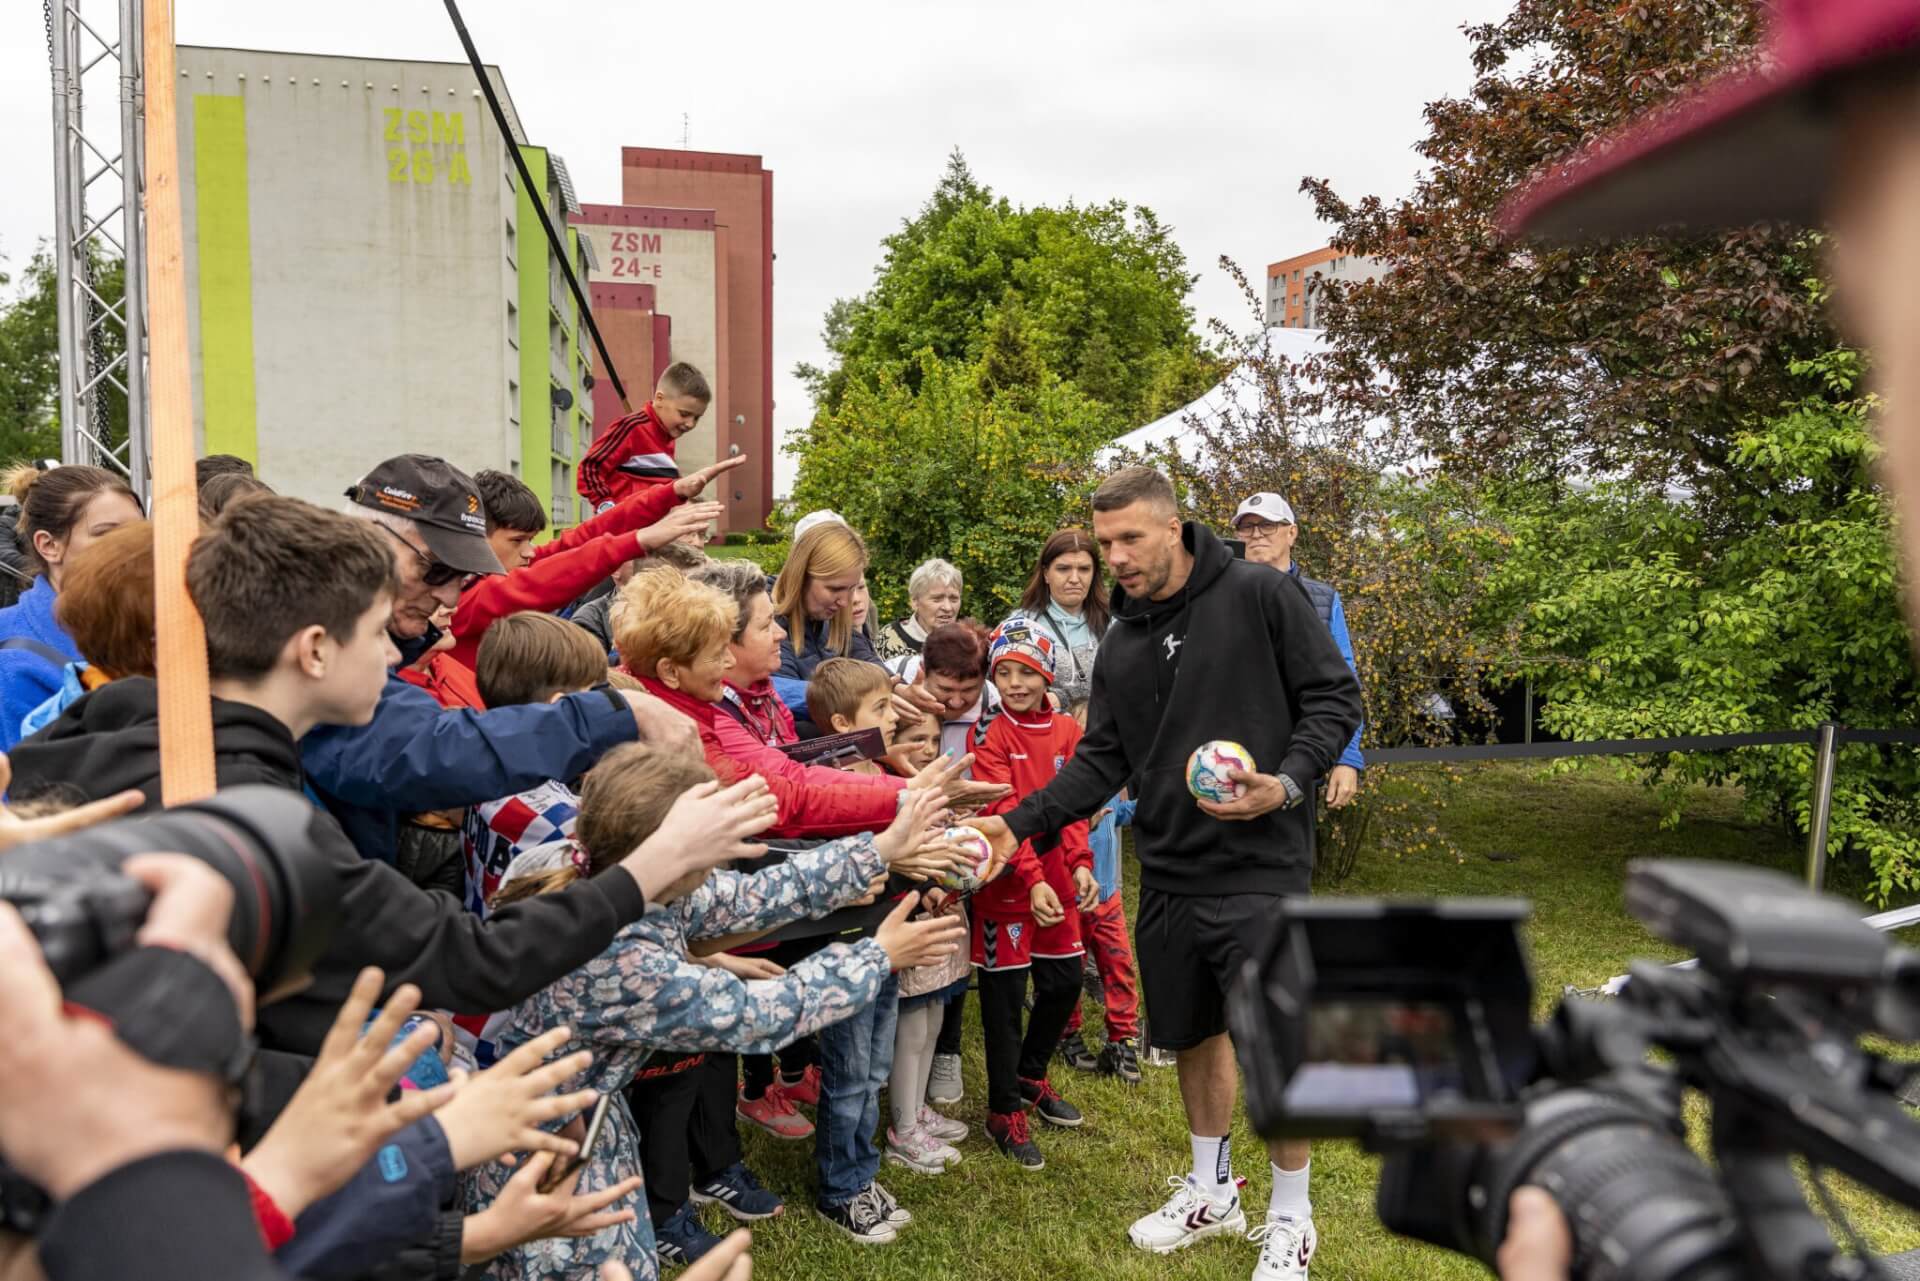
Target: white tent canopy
x,y
1238,395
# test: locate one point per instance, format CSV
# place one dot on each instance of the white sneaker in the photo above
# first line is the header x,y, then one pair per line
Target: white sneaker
x,y
920,1151
1286,1248
944,1128
943,1083
1189,1215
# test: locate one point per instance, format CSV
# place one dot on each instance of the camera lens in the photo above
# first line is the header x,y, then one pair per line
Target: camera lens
x,y
261,840
1641,1205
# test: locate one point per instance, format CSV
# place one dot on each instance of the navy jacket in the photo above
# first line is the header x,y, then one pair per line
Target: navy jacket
x,y
416,756
390,1213
800,655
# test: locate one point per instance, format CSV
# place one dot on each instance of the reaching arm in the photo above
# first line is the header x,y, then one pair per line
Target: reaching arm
x,y
545,585
810,884
413,756
1323,692
1097,771
629,515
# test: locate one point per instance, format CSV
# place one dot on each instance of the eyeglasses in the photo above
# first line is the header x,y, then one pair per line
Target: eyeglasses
x,y
1254,530
434,573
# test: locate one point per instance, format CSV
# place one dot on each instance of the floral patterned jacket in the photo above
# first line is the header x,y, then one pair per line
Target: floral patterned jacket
x,y
642,995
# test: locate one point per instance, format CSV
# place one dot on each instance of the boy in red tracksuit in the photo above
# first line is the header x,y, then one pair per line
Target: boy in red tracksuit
x,y
636,453
548,577
1025,920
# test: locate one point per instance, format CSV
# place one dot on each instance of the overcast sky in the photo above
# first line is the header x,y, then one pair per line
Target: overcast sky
x,y
1208,111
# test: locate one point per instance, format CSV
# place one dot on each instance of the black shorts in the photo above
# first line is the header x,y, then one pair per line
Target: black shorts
x,y
1191,949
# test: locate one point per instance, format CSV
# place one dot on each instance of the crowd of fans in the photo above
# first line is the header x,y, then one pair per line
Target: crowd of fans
x,y
586,854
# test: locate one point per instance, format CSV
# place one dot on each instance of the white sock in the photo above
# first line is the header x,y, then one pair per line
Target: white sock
x,y
1213,1165
1290,1192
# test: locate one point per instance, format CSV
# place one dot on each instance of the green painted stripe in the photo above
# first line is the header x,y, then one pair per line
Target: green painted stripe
x,y
223,237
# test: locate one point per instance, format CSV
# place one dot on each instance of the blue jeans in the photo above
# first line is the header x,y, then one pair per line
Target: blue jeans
x,y
856,1056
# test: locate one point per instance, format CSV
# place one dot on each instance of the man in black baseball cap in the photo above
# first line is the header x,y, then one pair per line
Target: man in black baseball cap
x,y
415,756
433,509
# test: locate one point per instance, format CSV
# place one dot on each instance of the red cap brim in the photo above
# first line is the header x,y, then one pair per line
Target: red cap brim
x,y
1753,146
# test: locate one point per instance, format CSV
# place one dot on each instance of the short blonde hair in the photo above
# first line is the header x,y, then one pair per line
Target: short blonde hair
x,y
828,550
662,614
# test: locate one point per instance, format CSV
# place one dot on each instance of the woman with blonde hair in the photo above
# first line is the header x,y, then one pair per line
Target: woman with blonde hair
x,y
813,599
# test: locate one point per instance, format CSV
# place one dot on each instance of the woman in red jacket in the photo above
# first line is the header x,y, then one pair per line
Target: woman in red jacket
x,y
675,636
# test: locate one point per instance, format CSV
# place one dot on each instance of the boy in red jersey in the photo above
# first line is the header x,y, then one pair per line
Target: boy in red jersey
x,y
636,453
1021,921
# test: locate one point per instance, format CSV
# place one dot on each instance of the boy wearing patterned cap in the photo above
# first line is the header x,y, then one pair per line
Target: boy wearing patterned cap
x,y
1026,920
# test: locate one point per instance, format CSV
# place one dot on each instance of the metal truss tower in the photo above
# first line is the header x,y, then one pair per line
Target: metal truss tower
x,y
98,185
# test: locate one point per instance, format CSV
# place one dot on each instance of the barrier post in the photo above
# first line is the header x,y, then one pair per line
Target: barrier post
x,y
1824,750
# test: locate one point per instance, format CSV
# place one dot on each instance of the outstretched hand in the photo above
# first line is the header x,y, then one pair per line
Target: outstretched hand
x,y
523,1213
339,1117
15,830
728,1261
915,826
709,825
502,1109
688,488
692,518
949,775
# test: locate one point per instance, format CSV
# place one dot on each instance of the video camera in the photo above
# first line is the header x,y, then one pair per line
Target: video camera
x,y
85,913
1406,1025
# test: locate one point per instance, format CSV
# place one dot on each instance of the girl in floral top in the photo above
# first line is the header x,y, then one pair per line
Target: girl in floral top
x,y
642,994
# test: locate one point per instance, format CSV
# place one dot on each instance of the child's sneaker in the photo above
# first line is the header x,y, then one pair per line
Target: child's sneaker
x,y
860,1219
1189,1215
1076,1055
806,1091
1008,1130
739,1193
944,1128
898,1215
920,1151
1286,1248
1046,1101
1121,1059
1157,1057
774,1112
682,1239
943,1083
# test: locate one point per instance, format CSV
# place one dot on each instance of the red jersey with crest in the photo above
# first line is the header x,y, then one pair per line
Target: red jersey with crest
x,y
1027,751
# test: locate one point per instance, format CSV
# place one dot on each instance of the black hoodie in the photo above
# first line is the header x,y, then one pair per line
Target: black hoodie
x,y
1238,653
109,740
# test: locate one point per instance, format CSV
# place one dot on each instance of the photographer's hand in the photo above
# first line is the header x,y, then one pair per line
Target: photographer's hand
x,y
15,830
340,1117
1539,1246
78,1103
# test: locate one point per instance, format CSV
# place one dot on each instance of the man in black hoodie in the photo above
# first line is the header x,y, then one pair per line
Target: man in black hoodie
x,y
1204,647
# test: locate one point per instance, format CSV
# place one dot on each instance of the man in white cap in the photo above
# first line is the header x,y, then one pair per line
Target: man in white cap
x,y
1265,524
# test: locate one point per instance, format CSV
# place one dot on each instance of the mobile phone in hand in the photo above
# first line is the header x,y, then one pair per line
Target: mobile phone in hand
x,y
564,1170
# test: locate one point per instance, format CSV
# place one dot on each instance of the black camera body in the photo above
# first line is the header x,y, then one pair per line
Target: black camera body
x,y
1405,1025
85,912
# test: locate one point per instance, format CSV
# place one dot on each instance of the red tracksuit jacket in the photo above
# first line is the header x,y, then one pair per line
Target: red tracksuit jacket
x,y
632,455
562,570
1027,751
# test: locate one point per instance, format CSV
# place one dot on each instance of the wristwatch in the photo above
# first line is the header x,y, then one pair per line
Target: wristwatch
x,y
1294,794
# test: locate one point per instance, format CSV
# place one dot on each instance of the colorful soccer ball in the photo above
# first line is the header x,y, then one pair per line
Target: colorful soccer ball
x,y
1207,770
978,849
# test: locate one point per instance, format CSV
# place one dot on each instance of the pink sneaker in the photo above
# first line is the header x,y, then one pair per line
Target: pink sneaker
x,y
806,1091
774,1113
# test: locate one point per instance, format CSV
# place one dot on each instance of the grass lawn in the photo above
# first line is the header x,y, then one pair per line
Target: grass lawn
x,y
1567,839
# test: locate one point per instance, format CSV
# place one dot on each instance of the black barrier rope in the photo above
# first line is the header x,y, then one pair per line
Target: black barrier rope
x,y
1613,746
539,201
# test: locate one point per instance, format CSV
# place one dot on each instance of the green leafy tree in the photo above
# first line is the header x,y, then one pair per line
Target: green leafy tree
x,y
1645,359
947,467
1651,615
30,359
1100,291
